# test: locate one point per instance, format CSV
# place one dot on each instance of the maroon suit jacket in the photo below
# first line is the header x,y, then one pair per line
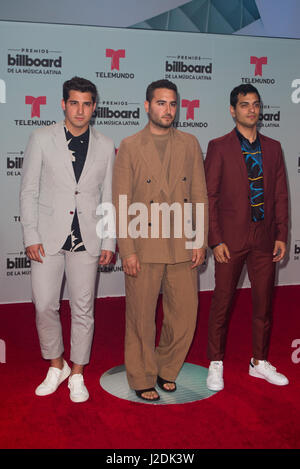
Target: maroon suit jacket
x,y
229,192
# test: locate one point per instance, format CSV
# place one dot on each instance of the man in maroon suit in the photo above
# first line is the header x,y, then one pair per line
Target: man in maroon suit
x,y
248,223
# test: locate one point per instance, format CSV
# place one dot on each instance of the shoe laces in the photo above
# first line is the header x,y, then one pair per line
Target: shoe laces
x,y
216,364
51,376
269,366
76,383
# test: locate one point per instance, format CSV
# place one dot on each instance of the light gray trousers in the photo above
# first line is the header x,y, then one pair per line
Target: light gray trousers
x,y
81,270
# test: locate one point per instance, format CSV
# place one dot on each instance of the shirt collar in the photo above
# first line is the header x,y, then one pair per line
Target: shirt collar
x,y
83,137
244,139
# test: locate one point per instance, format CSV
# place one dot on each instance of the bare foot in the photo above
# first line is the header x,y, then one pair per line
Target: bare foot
x,y
150,395
169,386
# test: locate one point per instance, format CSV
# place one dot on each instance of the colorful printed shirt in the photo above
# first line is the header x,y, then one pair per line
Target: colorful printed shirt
x,y
254,163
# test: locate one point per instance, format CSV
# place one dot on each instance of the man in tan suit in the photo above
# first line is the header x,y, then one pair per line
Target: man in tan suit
x,y
156,169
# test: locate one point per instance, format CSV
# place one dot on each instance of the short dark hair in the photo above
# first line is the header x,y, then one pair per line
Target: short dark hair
x,y
159,84
242,89
79,84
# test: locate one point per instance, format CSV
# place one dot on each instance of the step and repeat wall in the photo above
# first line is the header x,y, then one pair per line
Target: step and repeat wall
x,y
35,60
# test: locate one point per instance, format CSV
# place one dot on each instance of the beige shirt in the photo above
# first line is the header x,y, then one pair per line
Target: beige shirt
x,y
161,142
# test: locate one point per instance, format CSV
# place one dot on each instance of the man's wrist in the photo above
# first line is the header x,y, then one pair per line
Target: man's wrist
x,y
215,245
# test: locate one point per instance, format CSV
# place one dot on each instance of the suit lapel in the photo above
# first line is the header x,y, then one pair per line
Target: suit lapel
x,y
62,144
90,156
173,161
236,151
63,151
266,160
177,158
151,157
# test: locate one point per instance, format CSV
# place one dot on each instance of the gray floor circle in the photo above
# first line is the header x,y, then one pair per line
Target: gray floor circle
x,y
191,386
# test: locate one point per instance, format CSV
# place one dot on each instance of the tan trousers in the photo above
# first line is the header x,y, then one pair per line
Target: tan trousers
x,y
80,269
180,302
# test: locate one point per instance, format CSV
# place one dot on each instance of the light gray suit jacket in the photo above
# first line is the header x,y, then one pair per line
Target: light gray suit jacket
x,y
50,194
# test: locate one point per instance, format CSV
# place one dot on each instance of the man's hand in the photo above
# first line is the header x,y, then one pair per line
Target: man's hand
x,y
221,253
131,265
198,257
279,251
34,251
105,257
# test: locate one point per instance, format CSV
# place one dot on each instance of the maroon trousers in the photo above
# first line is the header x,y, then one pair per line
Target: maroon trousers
x,y
258,256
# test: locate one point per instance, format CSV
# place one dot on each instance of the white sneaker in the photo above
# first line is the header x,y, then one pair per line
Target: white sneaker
x,y
78,390
54,378
268,372
214,380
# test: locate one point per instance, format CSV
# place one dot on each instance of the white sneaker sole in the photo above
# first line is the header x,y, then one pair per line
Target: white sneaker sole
x,y
254,374
65,374
215,387
79,399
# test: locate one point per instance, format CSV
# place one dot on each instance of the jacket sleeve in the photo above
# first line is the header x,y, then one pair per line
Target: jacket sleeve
x,y
281,200
109,243
199,192
213,174
122,197
29,191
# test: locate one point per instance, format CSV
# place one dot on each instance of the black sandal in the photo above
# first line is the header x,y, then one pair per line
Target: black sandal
x,y
161,382
141,391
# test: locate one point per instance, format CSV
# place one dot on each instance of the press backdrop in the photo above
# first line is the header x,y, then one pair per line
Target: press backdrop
x,y
35,60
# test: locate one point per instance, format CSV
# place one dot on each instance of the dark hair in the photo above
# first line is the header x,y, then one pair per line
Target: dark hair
x,y
79,84
242,89
159,84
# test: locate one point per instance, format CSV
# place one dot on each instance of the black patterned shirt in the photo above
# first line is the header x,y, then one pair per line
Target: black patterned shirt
x,y
78,147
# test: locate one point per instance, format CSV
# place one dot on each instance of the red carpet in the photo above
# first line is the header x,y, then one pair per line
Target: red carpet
x,y
249,413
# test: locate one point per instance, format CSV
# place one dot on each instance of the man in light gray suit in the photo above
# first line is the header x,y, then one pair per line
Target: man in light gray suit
x,y
67,173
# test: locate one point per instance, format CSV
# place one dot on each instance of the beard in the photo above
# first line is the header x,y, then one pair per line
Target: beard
x,y
159,122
